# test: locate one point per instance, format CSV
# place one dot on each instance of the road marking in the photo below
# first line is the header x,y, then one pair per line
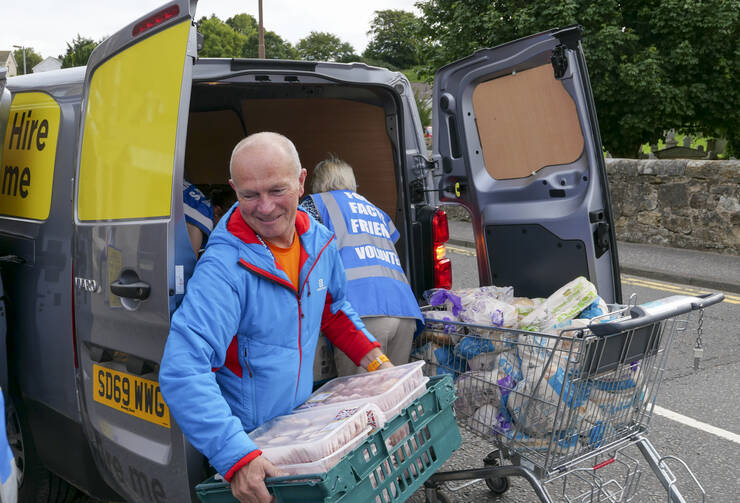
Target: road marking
x,y
461,251
634,280
672,287
679,418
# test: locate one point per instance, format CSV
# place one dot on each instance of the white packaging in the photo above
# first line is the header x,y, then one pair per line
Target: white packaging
x,y
326,463
314,434
489,311
384,388
468,295
564,304
475,389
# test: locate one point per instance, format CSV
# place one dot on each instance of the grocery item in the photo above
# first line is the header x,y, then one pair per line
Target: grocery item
x,y
565,304
489,311
312,435
384,388
475,389
437,331
468,295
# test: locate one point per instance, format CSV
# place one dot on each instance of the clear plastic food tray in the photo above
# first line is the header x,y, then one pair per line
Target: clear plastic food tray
x,y
315,434
326,463
385,388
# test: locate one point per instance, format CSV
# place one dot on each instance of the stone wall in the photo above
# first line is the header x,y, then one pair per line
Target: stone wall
x,y
679,203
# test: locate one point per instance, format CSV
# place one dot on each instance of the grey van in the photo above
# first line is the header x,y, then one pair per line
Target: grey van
x,y
91,208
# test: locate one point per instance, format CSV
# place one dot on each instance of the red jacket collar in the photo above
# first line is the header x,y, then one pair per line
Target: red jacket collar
x,y
239,228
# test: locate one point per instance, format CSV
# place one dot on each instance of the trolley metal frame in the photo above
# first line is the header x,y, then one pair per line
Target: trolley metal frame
x,y
562,406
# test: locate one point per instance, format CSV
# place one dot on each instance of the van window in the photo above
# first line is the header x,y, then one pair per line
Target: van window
x,y
526,121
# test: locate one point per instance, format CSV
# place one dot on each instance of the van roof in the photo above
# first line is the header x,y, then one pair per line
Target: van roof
x,y
47,80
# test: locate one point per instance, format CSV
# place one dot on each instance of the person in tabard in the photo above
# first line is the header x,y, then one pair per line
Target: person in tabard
x,y
377,286
241,345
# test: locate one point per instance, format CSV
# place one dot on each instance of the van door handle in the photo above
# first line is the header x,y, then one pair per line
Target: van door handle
x,y
129,285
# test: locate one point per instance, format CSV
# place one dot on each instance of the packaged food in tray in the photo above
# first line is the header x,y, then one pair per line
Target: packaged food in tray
x,y
315,434
328,462
385,388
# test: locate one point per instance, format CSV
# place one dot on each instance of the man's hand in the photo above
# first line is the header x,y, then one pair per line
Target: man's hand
x,y
248,484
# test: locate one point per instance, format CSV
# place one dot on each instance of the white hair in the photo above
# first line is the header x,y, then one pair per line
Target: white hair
x,y
333,174
267,138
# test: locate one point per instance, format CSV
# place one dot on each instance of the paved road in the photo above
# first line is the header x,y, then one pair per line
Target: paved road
x,y
697,419
692,403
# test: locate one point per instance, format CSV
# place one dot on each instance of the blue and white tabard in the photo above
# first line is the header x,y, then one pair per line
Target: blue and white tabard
x,y
376,282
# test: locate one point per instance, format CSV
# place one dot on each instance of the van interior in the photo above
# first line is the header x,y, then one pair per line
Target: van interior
x,y
345,120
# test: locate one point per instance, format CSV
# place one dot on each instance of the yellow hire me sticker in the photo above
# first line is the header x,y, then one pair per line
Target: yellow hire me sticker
x,y
29,151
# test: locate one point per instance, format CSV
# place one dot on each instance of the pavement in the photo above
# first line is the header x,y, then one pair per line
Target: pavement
x,y
713,271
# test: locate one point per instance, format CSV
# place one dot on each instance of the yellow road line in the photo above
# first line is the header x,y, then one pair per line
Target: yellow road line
x,y
672,287
461,251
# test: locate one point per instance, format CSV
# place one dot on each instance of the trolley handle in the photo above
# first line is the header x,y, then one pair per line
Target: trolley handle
x,y
659,310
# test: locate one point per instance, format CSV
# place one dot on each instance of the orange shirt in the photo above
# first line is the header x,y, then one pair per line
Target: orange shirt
x,y
288,258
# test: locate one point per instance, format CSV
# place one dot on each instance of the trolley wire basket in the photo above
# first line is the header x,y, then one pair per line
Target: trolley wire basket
x,y
561,406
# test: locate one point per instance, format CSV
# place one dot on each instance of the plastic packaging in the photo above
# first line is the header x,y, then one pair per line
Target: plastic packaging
x,y
384,388
565,304
326,463
314,434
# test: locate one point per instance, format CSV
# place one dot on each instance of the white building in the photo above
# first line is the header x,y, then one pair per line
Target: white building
x,y
8,61
47,64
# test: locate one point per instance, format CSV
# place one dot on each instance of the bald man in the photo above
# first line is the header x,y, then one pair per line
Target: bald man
x,y
241,346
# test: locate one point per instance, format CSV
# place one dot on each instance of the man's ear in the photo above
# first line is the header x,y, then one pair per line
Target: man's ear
x,y
302,181
231,184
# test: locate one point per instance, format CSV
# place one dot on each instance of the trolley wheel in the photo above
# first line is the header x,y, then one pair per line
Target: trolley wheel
x,y
497,485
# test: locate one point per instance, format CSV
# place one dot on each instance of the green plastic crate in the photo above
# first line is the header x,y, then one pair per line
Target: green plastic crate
x,y
428,435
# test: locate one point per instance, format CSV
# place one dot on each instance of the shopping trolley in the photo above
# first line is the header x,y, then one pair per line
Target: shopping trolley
x,y
561,407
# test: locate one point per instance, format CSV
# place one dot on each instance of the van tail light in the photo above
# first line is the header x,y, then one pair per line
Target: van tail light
x,y
443,274
155,19
442,265
440,230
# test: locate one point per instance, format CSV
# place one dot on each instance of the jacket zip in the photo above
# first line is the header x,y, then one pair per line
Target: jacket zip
x,y
246,363
285,284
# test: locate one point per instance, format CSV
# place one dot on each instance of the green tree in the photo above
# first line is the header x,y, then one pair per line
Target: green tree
x,y
324,46
395,38
78,52
243,23
275,46
220,40
654,64
33,58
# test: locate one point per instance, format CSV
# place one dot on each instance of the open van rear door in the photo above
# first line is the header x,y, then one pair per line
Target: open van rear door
x,y
517,141
130,156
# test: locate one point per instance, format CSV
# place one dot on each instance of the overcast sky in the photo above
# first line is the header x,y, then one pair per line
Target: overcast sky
x,y
47,25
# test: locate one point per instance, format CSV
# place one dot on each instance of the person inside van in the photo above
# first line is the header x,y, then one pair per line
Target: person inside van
x,y
241,345
198,216
222,198
376,284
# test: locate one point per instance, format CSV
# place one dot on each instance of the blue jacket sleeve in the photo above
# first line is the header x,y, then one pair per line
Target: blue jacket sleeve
x,y
200,333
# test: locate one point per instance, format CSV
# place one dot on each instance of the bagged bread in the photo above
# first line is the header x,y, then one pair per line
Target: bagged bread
x,y
468,295
489,311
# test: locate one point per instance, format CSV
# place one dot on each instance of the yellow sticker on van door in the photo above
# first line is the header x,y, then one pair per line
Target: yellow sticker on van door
x,y
29,151
130,394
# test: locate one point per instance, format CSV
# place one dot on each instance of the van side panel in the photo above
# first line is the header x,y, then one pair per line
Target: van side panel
x,y
39,291
38,286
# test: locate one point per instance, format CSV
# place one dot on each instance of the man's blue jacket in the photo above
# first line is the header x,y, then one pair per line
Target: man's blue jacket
x,y
241,346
